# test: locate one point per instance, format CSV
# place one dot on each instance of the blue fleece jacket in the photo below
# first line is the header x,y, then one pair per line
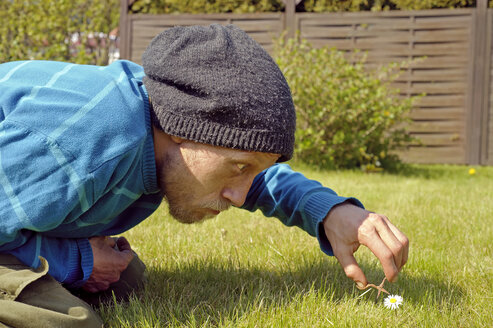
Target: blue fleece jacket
x,y
77,160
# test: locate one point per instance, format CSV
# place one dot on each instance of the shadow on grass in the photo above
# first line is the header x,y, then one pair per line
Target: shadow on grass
x,y
201,293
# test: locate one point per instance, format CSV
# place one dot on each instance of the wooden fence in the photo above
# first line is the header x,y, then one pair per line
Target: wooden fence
x,y
454,121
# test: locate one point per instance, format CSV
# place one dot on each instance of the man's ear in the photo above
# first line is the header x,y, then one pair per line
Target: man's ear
x,y
177,140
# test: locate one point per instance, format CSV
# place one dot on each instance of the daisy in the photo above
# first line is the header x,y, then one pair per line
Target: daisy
x,y
392,302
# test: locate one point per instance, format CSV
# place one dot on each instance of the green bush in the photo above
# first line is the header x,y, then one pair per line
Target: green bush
x,y
250,6
42,29
205,6
347,115
336,5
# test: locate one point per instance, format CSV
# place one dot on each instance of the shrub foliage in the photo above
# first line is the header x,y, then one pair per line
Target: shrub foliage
x,y
205,6
347,115
378,5
250,6
44,29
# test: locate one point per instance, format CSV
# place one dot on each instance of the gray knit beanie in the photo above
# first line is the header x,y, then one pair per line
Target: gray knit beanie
x,y
216,85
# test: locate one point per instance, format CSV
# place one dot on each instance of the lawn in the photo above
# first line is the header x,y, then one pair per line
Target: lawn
x,y
244,270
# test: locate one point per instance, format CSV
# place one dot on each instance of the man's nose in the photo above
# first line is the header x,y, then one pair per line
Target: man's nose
x,y
237,194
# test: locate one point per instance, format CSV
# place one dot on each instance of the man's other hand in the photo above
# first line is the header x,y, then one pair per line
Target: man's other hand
x,y
109,262
348,226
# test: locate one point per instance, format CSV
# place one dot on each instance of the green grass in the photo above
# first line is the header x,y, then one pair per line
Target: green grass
x,y
244,270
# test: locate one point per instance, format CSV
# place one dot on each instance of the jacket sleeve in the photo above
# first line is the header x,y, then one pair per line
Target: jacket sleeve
x,y
295,200
40,189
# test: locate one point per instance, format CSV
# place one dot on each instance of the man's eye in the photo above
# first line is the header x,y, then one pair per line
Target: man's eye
x,y
241,166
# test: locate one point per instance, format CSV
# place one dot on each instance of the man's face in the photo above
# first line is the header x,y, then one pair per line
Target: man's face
x,y
199,181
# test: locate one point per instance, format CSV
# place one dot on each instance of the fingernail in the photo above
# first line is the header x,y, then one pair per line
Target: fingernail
x,y
360,284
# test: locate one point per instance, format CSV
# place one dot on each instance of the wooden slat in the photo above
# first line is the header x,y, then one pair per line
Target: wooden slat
x,y
436,15
395,37
434,155
436,126
381,44
453,113
428,63
431,88
414,49
390,34
441,101
247,25
398,50
442,139
434,75
259,25
262,38
218,16
173,21
433,61
375,27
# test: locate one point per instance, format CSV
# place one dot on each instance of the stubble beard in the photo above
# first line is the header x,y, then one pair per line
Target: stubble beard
x,y
175,191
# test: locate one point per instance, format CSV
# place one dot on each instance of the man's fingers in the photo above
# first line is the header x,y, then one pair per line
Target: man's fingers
x,y
125,249
123,244
374,242
128,256
351,268
403,240
95,287
109,241
90,289
389,238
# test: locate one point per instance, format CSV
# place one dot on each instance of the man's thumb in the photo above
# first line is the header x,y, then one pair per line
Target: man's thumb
x,y
352,269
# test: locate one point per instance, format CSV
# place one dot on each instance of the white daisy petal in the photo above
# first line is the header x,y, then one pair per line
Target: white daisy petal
x,y
393,301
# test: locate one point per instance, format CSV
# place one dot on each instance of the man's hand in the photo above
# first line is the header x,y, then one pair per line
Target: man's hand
x,y
348,226
109,262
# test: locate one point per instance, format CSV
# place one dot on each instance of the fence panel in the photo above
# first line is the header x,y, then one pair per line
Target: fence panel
x,y
439,40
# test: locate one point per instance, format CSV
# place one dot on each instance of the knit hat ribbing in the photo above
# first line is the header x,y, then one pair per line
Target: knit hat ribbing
x,y
216,85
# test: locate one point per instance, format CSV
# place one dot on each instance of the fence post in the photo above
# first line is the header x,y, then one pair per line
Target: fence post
x,y
123,30
478,91
289,18
485,119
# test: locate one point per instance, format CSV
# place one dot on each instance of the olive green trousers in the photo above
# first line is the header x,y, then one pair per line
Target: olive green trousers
x,y
32,298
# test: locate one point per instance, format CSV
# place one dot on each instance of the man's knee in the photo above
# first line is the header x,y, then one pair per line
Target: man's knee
x,y
32,298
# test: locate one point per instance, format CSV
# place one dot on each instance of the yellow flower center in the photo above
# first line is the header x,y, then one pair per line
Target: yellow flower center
x,y
393,300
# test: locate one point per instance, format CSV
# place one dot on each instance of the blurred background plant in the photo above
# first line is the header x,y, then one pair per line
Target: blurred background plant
x,y
251,6
205,6
348,115
68,30
379,5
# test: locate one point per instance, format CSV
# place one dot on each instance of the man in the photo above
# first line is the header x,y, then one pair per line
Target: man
x,y
89,152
